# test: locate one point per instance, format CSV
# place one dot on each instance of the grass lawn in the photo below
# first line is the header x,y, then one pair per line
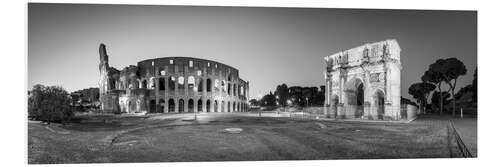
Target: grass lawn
x,y
163,138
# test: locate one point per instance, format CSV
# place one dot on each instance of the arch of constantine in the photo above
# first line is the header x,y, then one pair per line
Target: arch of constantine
x,y
364,82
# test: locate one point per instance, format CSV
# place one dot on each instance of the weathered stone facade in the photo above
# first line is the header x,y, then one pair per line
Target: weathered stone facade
x,y
364,82
171,84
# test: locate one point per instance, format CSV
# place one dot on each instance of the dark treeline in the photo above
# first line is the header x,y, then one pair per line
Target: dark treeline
x,y
440,73
54,104
292,96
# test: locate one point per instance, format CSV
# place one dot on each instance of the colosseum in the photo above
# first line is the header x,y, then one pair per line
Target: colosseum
x,y
171,84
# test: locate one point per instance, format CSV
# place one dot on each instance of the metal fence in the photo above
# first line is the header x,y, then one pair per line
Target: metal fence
x,y
460,144
350,112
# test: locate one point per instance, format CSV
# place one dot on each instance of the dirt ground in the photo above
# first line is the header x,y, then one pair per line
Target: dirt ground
x,y
178,137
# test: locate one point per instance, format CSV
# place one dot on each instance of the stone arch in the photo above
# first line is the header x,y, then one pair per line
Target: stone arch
x,y
191,83
181,105
137,83
144,84
200,85
209,85
190,105
355,91
161,106
208,106
216,106
162,83
152,106
199,105
171,83
130,106
222,106
171,105
378,103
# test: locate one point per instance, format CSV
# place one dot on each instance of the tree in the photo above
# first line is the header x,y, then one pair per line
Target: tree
x,y
407,101
254,102
295,95
439,98
453,69
319,98
282,93
49,104
420,91
268,100
307,94
474,86
433,75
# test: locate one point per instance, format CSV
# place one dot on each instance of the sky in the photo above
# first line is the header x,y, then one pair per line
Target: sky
x,y
269,46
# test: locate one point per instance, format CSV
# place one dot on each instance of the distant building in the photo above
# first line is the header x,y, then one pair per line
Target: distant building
x,y
171,84
364,82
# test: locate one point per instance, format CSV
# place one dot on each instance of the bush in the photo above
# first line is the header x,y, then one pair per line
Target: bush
x,y
49,104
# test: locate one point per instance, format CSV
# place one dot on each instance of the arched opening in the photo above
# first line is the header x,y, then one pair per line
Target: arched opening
x,y
136,84
180,82
162,83
235,91
208,106
181,105
171,105
152,106
223,87
209,85
234,107
378,99
334,104
152,83
222,106
191,82
228,106
144,84
130,106
200,106
190,105
229,90
161,106
216,106
171,83
355,93
200,85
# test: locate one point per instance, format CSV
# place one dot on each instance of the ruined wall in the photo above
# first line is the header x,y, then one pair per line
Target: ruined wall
x,y
171,84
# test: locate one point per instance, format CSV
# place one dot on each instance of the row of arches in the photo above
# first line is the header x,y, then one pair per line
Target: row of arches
x,y
201,85
218,106
355,103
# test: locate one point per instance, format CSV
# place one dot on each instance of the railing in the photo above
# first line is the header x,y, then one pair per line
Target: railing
x,y
350,112
461,145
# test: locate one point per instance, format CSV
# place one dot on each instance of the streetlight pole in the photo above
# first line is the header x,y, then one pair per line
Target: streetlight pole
x,y
307,101
278,104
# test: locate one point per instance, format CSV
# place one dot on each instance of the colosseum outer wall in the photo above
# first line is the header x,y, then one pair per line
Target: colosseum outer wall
x,y
172,84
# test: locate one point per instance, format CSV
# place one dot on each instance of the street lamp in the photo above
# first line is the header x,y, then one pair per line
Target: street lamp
x,y
307,103
289,102
277,103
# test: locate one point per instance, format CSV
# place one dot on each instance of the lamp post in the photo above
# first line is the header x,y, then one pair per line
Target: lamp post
x,y
277,104
195,90
307,100
289,102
